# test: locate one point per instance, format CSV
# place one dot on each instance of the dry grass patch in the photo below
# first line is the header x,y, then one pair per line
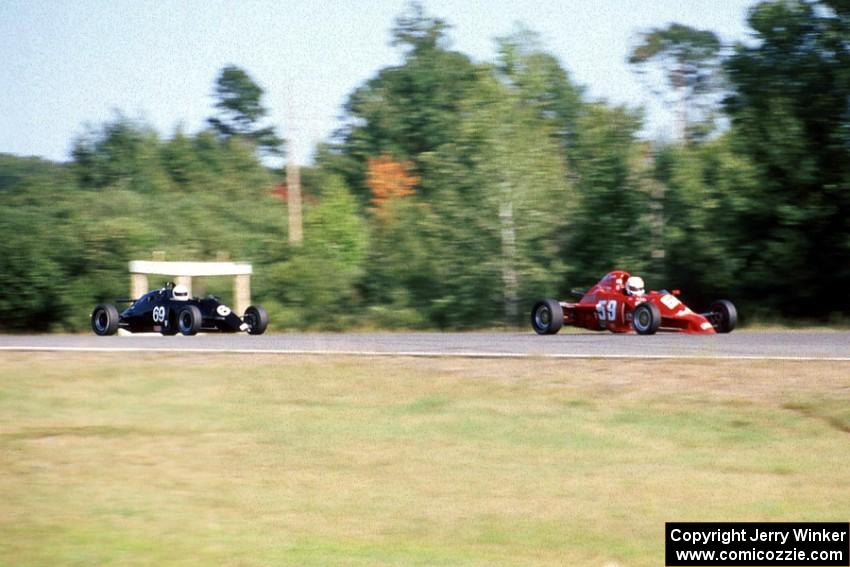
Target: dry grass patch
x,y
258,460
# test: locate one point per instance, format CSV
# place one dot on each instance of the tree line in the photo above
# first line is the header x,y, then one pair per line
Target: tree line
x,y
456,193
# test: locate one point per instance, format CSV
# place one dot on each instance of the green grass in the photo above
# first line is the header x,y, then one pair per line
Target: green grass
x,y
268,460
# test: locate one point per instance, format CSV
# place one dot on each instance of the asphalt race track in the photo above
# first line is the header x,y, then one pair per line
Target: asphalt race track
x,y
786,345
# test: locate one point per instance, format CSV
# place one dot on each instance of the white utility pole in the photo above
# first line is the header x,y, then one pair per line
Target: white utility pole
x,y
293,178
293,199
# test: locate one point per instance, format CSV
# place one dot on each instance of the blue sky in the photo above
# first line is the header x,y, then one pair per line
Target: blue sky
x,y
65,64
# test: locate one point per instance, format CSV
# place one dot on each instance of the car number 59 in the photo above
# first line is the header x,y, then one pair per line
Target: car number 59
x,y
607,310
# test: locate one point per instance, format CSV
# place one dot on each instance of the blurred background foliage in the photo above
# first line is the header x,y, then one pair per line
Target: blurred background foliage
x,y
455,193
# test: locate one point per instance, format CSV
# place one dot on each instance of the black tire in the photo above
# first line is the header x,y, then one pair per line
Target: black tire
x,y
104,320
257,320
725,316
169,326
646,318
189,320
547,317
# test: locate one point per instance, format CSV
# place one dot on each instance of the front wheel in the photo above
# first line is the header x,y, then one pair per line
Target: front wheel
x,y
257,320
724,316
104,320
646,318
547,317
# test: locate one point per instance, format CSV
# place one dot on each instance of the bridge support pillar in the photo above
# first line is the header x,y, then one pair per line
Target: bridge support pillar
x,y
241,293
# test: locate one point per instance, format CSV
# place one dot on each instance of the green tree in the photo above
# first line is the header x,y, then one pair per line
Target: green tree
x,y
35,245
120,152
610,226
791,118
405,111
31,276
540,82
181,161
319,283
605,222
241,112
689,59
67,232
479,240
704,198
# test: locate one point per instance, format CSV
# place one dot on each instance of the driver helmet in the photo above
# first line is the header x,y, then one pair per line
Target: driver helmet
x,y
634,286
180,293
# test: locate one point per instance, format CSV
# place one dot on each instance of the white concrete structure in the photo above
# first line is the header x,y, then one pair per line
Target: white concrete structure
x,y
183,272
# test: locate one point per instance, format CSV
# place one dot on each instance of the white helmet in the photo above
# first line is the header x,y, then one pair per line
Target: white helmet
x,y
180,293
634,286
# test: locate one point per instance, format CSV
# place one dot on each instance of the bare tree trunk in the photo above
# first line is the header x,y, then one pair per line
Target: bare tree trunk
x,y
681,113
509,275
656,205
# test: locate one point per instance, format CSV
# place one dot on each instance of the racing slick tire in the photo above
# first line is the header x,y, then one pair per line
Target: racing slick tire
x,y
169,331
168,328
646,318
547,317
257,320
104,320
725,316
189,320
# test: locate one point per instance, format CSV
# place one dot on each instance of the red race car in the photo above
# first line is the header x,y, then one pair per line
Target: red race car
x,y
620,304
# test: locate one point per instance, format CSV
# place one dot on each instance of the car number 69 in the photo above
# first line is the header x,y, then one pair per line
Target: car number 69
x,y
159,314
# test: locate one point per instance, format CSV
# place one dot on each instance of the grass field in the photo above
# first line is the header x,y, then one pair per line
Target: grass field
x,y
269,460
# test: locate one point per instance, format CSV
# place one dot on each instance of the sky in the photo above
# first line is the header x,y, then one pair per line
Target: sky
x,y
68,65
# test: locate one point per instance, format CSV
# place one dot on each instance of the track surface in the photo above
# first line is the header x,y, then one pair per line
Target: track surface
x,y
738,345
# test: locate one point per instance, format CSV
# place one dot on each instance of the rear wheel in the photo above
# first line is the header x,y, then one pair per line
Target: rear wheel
x,y
724,316
257,320
104,320
547,317
189,320
646,318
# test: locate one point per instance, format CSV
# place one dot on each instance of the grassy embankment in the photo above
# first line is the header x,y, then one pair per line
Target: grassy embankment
x,y
233,460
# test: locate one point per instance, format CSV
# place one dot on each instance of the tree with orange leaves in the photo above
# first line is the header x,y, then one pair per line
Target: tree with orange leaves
x,y
389,180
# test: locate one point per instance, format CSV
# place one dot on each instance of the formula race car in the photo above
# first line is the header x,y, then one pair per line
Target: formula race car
x,y
619,303
170,310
